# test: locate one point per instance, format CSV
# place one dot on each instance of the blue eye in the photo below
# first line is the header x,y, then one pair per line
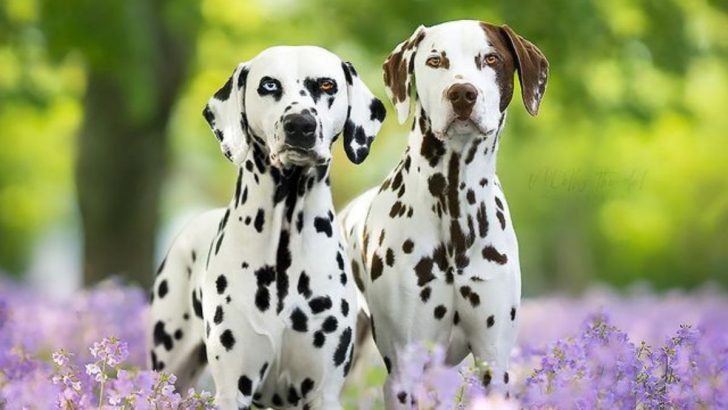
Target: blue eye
x,y
270,86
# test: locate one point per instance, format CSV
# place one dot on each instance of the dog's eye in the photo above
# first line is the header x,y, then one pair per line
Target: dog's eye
x,y
326,85
269,85
434,61
491,59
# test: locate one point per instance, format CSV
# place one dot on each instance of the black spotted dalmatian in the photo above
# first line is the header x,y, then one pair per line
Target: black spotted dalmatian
x,y
432,247
261,290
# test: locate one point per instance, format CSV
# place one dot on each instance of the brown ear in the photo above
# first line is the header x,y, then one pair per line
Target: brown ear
x,y
398,69
533,69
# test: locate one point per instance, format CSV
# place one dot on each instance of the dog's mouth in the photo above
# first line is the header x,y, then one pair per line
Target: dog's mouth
x,y
295,156
458,126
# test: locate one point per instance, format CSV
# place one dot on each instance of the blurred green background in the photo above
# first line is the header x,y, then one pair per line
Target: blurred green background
x,y
623,177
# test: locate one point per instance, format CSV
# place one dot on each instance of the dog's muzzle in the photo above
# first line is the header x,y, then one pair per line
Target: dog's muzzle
x,y
300,131
462,97
299,141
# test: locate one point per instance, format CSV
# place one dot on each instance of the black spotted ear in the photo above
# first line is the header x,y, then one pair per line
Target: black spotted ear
x,y
225,113
398,69
533,69
364,118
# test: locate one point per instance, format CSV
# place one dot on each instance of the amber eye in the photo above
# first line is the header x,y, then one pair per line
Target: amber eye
x,y
491,59
433,62
326,85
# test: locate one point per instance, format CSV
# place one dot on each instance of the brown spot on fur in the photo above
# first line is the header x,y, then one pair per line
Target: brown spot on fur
x,y
492,254
482,219
444,61
436,184
396,67
498,203
407,246
377,267
432,149
501,219
425,294
389,258
471,152
504,68
357,275
423,269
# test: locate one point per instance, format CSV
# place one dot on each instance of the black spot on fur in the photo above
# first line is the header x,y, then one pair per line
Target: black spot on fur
x,y
319,304
344,307
456,318
490,321
276,400
306,386
259,220
342,347
245,385
221,284
293,397
377,110
161,337
218,315
227,339
319,338
197,304
265,277
440,311
330,324
283,262
340,260
388,364
299,320
224,92
470,196
304,285
513,313
162,289
323,225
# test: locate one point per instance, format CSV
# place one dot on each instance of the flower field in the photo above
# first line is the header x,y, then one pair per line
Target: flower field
x,y
601,350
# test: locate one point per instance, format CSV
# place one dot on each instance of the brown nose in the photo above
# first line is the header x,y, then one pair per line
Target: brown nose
x,y
462,97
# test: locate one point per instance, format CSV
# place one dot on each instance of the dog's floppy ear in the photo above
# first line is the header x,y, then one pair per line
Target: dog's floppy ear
x,y
364,118
398,69
532,66
225,113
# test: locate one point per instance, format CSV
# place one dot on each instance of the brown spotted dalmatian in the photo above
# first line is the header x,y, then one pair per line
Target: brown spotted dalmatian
x,y
261,290
433,248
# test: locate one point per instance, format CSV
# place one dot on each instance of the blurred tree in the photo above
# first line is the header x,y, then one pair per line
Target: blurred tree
x,y
137,56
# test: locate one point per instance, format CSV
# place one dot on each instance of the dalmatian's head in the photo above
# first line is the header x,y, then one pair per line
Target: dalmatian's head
x,y
294,102
463,73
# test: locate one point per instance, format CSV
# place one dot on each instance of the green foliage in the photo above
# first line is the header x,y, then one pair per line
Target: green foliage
x,y
622,176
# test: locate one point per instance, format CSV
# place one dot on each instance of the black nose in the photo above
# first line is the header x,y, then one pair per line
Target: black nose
x,y
462,97
300,130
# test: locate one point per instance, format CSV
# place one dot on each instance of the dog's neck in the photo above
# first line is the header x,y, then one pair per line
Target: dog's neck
x,y
282,196
474,153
